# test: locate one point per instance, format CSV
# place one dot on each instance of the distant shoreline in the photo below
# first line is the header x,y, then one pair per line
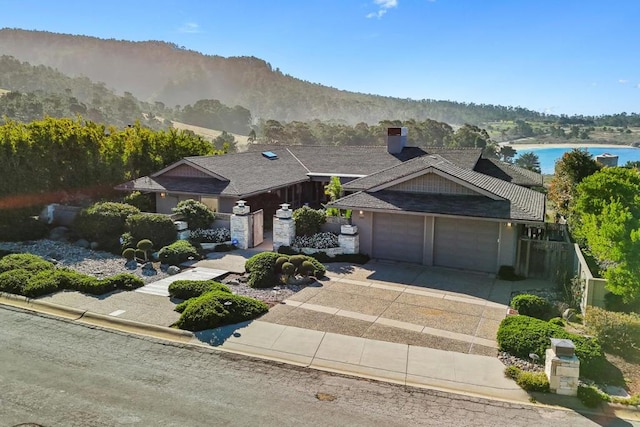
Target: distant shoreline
x,y
526,146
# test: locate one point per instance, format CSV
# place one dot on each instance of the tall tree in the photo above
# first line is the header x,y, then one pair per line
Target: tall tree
x,y
529,161
570,170
470,136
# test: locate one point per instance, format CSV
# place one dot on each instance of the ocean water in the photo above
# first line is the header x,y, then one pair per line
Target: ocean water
x,y
549,156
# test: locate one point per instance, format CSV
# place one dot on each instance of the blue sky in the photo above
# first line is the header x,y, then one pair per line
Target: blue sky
x,y
558,56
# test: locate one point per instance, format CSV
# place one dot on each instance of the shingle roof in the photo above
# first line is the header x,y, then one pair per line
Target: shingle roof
x,y
176,185
525,204
509,172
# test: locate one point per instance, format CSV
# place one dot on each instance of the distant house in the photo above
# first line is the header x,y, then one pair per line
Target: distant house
x,y
433,206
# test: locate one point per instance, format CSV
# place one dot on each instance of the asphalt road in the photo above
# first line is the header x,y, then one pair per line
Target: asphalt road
x,y
59,373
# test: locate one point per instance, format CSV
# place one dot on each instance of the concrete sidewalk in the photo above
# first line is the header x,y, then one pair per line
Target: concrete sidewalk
x,y
398,363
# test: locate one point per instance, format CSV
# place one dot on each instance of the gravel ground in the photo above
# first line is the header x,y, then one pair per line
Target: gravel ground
x,y
95,263
237,284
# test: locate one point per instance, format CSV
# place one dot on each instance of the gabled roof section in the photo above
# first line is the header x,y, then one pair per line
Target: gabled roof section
x,y
525,204
201,186
185,163
509,172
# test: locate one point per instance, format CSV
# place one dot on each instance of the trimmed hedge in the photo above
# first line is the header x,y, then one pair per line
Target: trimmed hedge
x,y
124,281
14,281
156,227
326,259
263,268
532,305
523,335
185,289
104,222
178,252
216,308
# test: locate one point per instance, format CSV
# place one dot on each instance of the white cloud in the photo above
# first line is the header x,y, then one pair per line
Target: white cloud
x,y
623,81
383,7
190,27
638,85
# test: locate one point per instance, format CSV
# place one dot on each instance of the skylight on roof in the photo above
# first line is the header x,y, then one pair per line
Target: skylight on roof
x,y
270,155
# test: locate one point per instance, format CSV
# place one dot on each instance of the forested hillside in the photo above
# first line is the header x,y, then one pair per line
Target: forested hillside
x,y
159,71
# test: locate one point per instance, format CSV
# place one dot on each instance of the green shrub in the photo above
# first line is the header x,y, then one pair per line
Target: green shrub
x,y
281,260
508,272
14,281
287,250
104,222
558,321
533,381
532,305
307,268
129,254
297,260
124,281
156,227
197,214
144,202
308,221
616,331
30,262
178,252
288,269
512,372
185,289
45,282
523,335
590,396
319,270
215,308
613,302
262,270
91,285
145,245
127,241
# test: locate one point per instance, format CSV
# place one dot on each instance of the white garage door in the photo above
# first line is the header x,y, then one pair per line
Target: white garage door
x,y
466,244
398,237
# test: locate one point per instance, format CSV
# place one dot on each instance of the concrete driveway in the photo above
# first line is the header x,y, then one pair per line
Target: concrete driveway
x,y
403,303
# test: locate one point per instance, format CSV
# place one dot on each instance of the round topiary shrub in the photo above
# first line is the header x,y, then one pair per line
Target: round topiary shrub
x,y
319,269
262,270
178,252
279,262
185,289
156,227
215,308
307,268
129,254
297,260
197,214
532,305
288,269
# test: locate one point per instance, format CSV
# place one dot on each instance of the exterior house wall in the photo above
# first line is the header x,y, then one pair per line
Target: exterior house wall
x,y
226,204
429,230
365,230
508,244
433,184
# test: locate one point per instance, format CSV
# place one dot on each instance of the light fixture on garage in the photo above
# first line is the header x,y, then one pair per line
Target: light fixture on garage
x,y
361,214
508,224
163,195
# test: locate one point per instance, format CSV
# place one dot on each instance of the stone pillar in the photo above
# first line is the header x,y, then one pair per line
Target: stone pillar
x,y
240,226
284,227
562,367
349,239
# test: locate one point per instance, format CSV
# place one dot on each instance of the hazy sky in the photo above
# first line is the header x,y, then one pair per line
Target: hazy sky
x,y
559,56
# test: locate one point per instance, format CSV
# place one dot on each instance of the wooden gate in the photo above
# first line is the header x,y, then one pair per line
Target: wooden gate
x,y
257,221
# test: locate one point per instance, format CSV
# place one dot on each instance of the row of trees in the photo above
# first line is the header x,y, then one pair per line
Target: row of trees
x,y
55,159
603,208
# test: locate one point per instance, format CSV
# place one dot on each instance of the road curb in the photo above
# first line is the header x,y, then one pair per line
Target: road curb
x,y
88,317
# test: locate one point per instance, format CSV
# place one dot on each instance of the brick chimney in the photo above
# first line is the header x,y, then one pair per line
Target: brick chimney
x,y
396,139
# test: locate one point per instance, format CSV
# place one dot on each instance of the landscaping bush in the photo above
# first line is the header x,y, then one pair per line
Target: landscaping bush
x,y
127,241
45,282
523,335
103,222
129,254
590,396
185,289
124,281
306,268
262,270
615,331
529,381
308,221
197,214
30,262
211,235
144,202
288,269
287,250
14,228
319,270
613,302
14,281
215,308
558,321
281,260
317,241
532,305
297,260
178,252
156,227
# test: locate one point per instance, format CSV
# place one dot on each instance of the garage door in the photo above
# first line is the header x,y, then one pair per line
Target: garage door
x,y
398,237
466,244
